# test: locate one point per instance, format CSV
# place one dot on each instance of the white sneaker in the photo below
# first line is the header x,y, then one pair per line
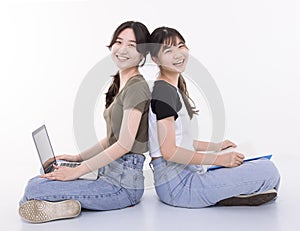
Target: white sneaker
x,y
36,211
250,199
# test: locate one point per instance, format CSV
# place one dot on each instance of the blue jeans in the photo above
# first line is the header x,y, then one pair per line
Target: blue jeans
x,y
120,184
191,187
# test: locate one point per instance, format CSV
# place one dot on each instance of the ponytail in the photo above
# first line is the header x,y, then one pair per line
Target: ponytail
x,y
186,98
112,90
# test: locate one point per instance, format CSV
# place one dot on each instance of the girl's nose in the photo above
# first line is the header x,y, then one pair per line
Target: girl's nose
x,y
122,49
178,55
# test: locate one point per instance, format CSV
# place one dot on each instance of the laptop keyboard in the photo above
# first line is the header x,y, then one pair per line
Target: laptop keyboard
x,y
71,165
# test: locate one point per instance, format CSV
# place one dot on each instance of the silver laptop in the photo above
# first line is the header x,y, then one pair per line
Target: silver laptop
x,y
47,157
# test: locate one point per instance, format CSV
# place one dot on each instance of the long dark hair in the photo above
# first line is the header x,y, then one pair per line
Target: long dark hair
x,y
167,36
142,37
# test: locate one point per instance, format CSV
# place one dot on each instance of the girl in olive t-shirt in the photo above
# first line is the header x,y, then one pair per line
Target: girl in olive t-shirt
x,y
119,156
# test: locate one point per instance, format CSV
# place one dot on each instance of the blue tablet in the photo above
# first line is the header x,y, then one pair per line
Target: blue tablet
x,y
250,159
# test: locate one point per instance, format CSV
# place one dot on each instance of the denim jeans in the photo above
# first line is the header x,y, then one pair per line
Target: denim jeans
x,y
120,184
191,187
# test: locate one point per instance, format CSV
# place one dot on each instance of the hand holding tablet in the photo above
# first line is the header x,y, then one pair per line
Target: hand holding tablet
x,y
250,159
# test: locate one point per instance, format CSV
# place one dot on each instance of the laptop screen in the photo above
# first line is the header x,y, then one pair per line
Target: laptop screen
x,y
44,148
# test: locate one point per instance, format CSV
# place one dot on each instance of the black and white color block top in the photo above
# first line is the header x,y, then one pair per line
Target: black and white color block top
x,y
167,101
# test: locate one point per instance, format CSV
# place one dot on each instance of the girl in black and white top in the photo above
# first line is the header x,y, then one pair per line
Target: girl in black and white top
x,y
177,158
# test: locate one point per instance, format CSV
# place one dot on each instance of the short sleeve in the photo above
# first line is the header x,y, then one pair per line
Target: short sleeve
x,y
165,101
162,110
137,95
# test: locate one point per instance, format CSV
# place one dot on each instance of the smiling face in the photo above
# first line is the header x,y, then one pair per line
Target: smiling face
x,y
173,57
124,52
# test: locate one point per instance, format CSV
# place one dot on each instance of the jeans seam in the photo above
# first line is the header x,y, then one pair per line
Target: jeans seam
x,y
237,185
88,196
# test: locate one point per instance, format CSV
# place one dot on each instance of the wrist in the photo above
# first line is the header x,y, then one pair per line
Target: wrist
x,y
83,169
79,158
211,146
218,160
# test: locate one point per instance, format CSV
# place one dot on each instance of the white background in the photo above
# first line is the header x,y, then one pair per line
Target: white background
x,y
251,48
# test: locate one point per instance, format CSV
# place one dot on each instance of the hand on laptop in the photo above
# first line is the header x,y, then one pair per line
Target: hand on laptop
x,y
63,173
70,158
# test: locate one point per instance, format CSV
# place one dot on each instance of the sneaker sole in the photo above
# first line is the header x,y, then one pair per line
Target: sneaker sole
x,y
253,200
36,211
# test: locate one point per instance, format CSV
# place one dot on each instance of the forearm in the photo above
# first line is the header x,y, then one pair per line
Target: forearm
x,y
105,157
130,124
206,146
94,150
184,156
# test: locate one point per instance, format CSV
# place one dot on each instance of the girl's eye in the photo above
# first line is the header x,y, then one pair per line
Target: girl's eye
x,y
118,42
167,51
131,45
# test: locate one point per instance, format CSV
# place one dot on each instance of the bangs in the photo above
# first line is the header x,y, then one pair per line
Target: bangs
x,y
163,38
170,40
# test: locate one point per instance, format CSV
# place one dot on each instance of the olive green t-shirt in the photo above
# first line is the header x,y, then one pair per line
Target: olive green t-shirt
x,y
135,94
